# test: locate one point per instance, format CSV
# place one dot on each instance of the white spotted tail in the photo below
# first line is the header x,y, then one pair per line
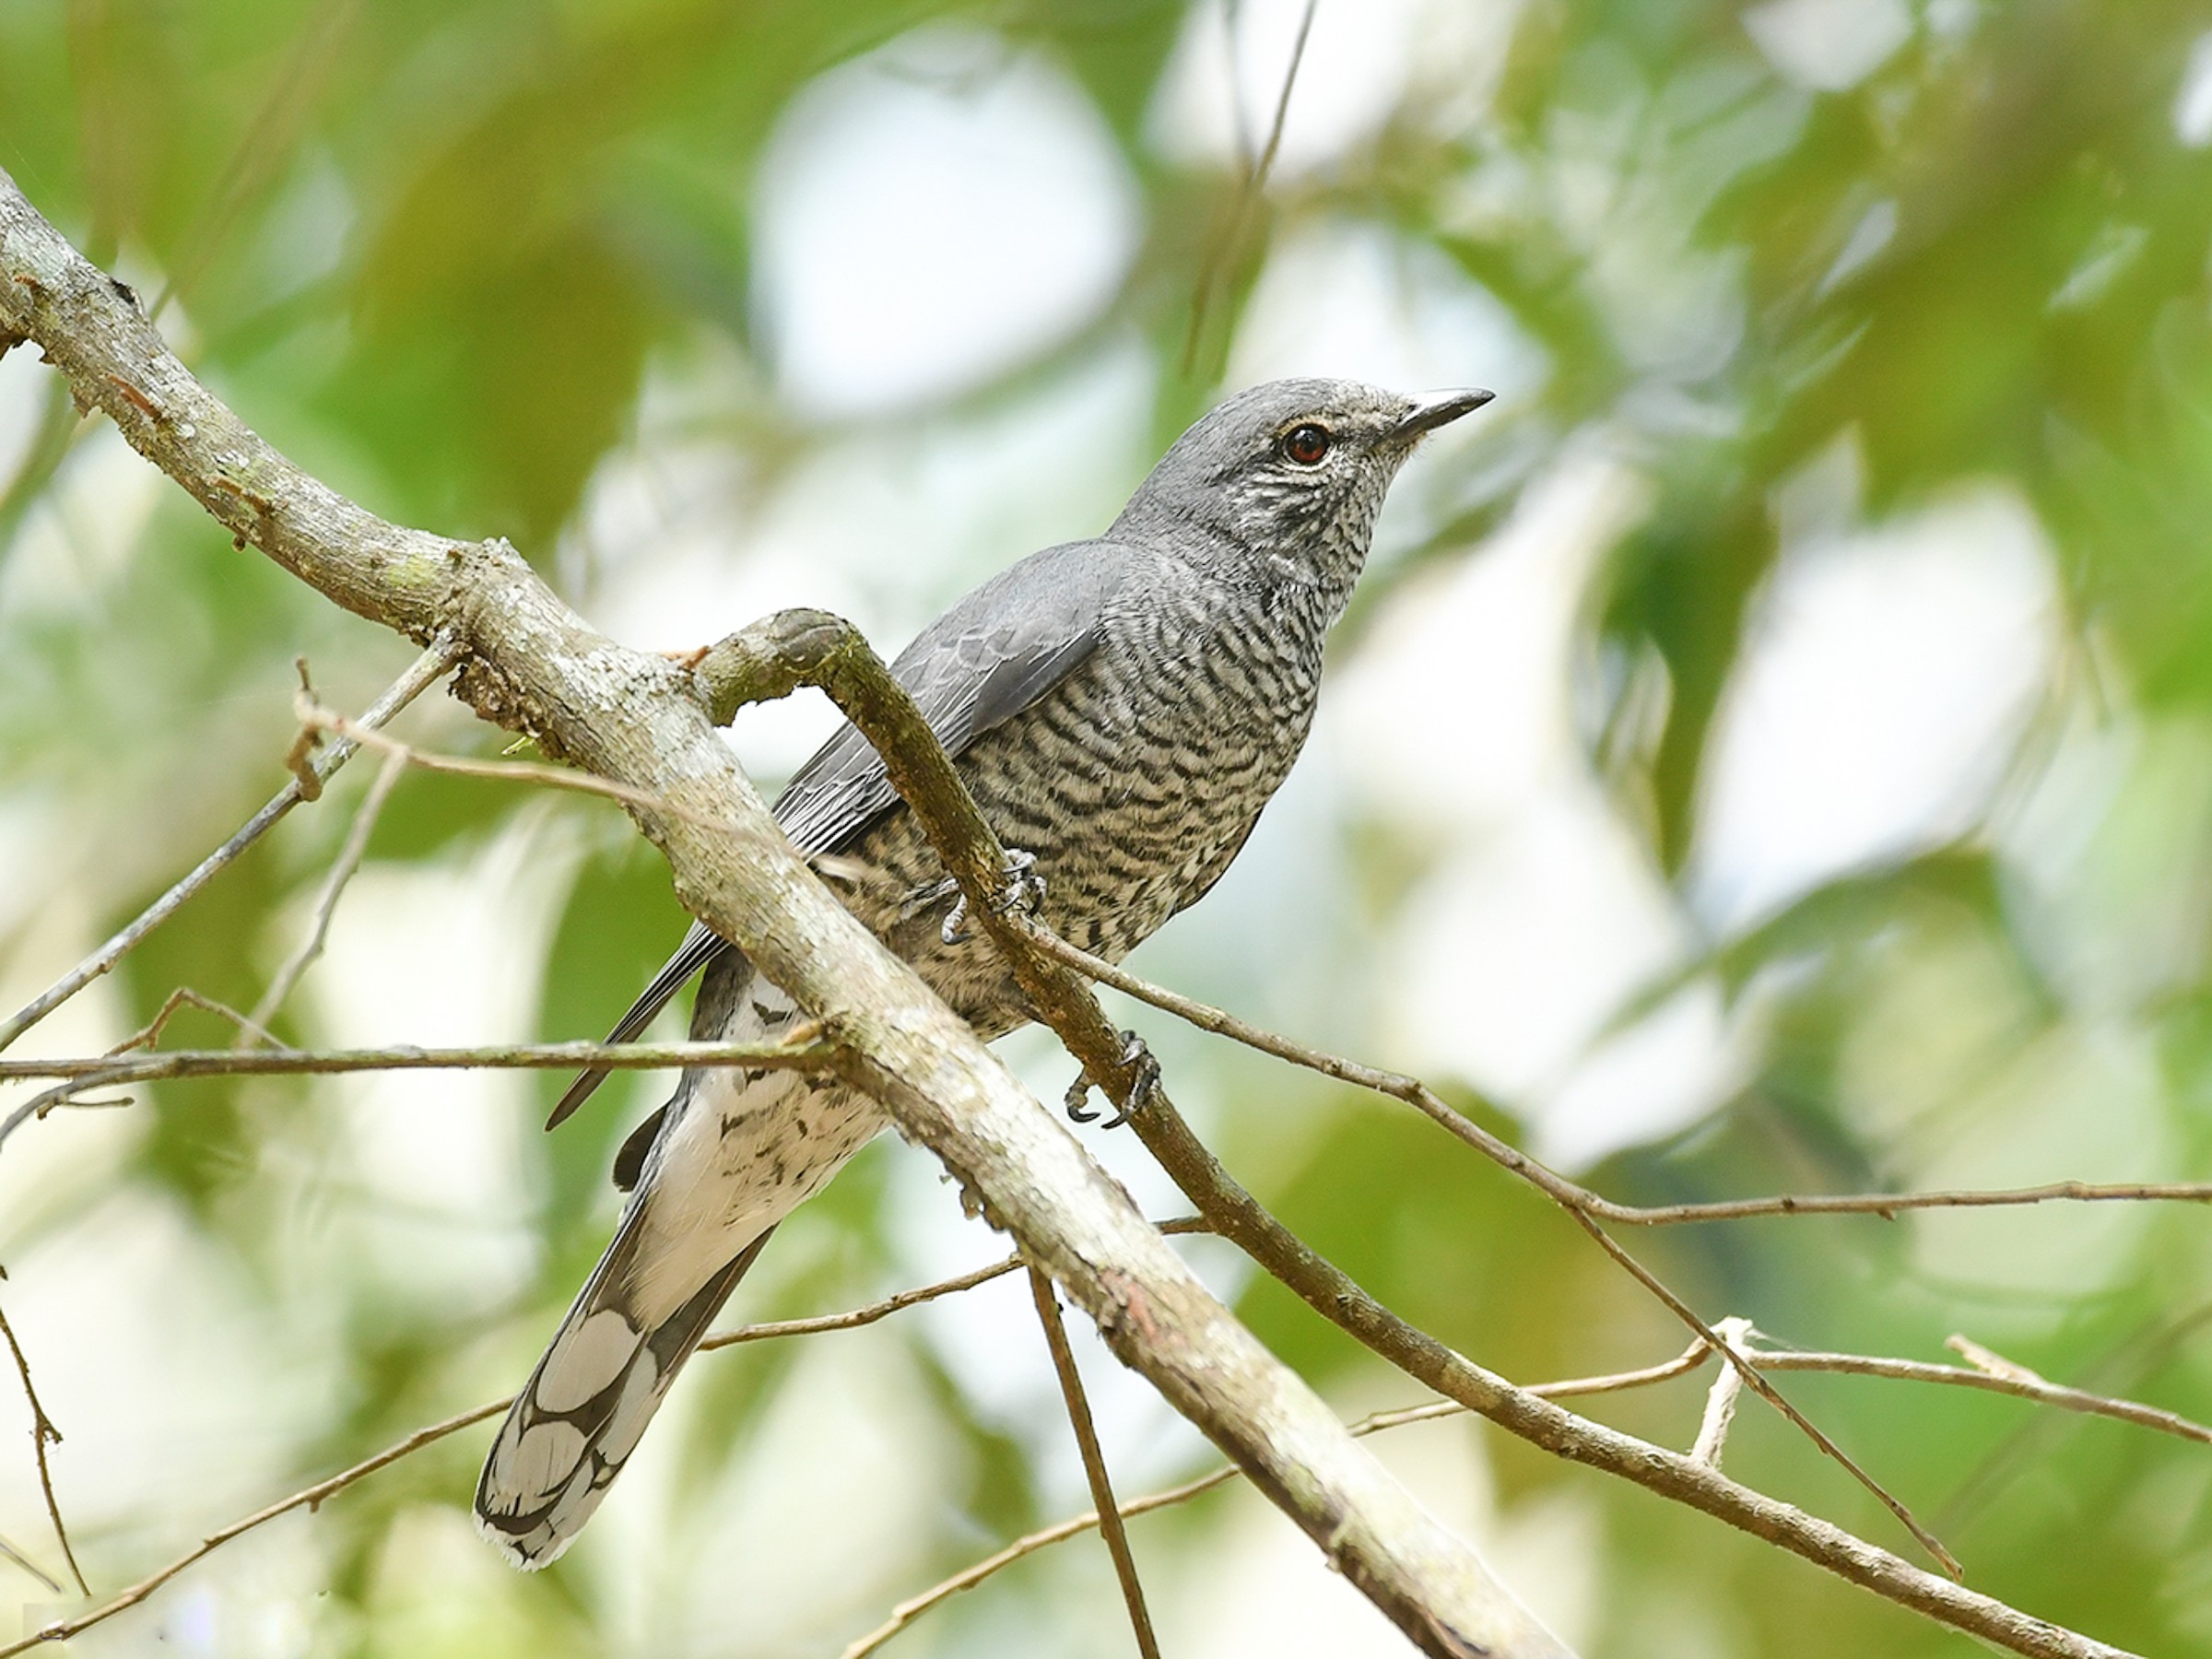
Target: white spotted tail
x,y
580,1416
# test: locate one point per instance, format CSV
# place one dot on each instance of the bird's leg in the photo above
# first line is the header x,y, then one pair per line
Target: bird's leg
x,y
1135,1054
1024,891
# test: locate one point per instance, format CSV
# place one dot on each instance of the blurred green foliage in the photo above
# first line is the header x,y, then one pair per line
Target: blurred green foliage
x,y
1985,258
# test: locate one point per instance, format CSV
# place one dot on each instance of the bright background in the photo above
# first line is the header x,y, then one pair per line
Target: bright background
x,y
1772,749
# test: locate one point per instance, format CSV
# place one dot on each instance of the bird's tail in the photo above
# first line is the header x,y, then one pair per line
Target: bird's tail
x,y
579,1418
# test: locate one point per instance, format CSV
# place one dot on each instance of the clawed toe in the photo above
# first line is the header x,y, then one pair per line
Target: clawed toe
x,y
1141,1090
1023,892
1078,1100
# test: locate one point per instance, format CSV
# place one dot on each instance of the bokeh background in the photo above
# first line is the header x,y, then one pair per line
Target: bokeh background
x,y
1772,749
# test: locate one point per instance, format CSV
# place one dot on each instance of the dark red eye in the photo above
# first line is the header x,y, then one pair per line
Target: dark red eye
x,y
1306,444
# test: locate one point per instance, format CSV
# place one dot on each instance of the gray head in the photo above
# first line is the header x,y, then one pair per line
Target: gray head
x,y
1285,480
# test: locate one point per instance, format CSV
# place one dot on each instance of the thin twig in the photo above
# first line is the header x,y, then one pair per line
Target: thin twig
x,y
1094,1462
149,1035
906,1298
307,1498
267,140
404,690
2020,1383
315,717
1720,1400
326,903
1414,1093
809,1053
11,1553
43,1432
1249,193
313,1497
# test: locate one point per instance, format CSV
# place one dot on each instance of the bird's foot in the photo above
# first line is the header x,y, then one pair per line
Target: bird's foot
x,y
1134,1056
1023,892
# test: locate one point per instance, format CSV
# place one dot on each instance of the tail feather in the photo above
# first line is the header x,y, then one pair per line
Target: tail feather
x,y
580,1416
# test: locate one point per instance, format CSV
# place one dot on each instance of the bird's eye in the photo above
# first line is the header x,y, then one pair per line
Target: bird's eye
x,y
1306,444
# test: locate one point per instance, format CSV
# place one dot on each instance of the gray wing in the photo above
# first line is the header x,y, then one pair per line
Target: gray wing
x,y
1000,647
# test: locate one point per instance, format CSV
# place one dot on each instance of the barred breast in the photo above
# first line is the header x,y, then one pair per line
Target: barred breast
x,y
1134,784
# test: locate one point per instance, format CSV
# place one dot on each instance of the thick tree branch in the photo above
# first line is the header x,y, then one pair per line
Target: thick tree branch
x,y
637,719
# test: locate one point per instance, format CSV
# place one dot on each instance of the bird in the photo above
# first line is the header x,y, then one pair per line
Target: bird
x,y
1122,708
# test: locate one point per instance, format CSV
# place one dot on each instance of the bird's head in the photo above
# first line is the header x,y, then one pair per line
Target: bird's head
x,y
1287,477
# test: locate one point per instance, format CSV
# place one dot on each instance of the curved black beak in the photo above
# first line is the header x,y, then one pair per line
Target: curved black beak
x,y
1433,410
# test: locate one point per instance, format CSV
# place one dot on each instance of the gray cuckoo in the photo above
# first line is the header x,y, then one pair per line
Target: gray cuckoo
x,y
1121,710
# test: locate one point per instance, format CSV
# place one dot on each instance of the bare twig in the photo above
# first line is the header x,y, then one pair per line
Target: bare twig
x,y
810,1049
1094,1463
326,902
1889,1205
315,717
1249,191
1415,1093
2015,1381
1720,1400
808,1053
420,674
914,1607
9,1552
43,1433
907,1298
183,997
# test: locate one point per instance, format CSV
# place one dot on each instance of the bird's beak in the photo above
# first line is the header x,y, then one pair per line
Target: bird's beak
x,y
1433,410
